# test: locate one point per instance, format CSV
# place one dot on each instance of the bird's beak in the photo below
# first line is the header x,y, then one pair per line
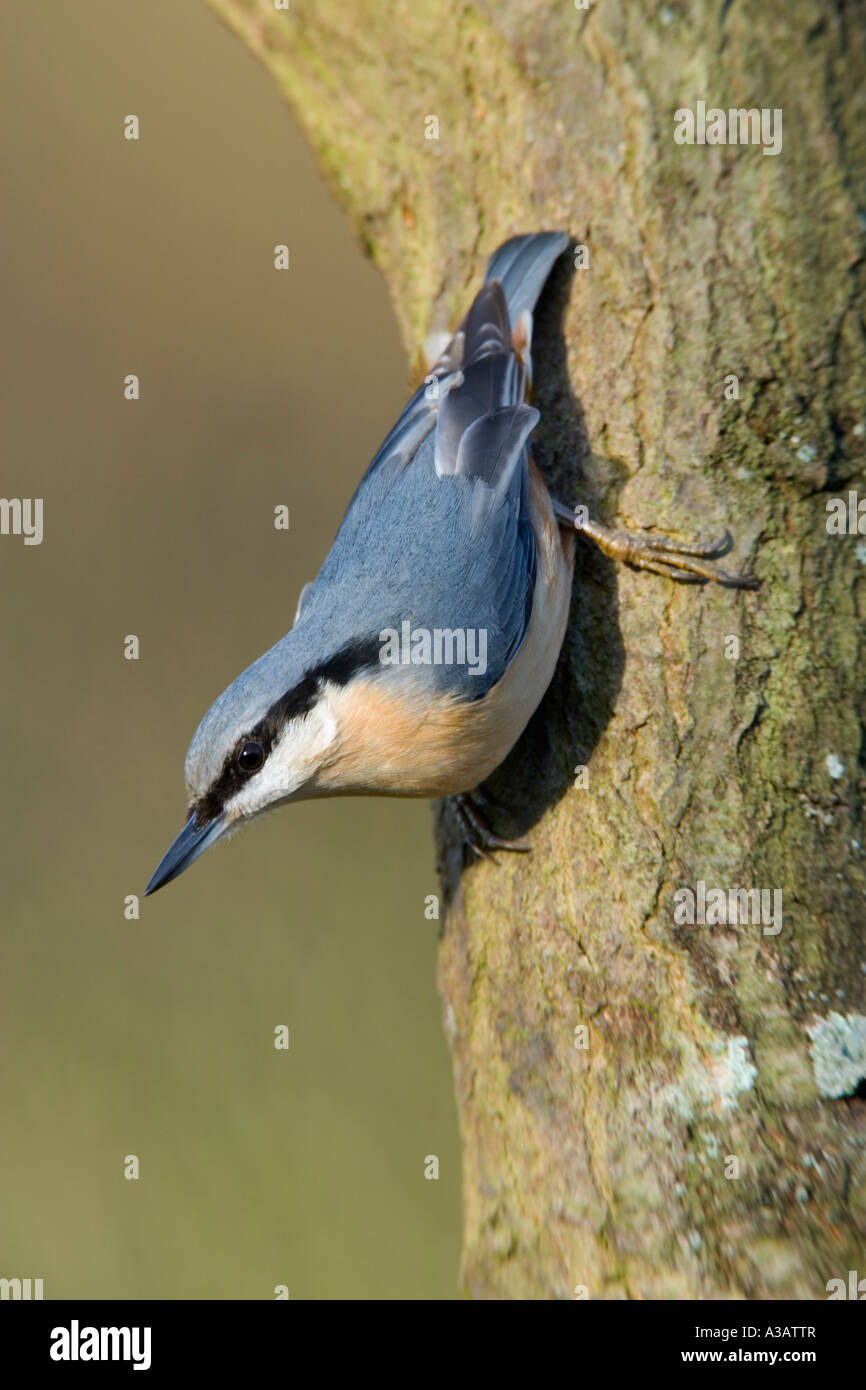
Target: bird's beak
x,y
192,841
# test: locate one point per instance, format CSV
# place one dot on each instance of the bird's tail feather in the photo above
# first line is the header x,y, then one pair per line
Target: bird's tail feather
x,y
522,265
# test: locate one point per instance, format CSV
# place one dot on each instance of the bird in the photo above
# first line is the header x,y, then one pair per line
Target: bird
x,y
428,638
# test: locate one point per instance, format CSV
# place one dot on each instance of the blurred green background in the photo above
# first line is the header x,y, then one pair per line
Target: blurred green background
x,y
155,1037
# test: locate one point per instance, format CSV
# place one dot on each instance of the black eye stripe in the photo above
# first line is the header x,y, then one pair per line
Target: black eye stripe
x,y
299,700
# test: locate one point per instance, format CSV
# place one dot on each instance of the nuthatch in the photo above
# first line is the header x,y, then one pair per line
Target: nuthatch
x,y
432,631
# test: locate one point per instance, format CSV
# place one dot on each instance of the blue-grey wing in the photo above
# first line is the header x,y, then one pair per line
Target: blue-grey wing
x,y
418,416
439,531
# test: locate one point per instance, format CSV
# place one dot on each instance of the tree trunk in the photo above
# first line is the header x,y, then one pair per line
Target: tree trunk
x,y
648,1109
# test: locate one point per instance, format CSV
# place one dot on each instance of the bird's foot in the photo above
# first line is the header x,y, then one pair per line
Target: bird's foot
x,y
689,562
477,833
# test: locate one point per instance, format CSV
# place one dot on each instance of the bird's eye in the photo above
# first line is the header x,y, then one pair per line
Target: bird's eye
x,y
251,756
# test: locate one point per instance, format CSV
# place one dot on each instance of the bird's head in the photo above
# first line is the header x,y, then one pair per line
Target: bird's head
x,y
256,748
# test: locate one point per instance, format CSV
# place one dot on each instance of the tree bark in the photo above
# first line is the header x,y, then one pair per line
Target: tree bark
x,y
707,1140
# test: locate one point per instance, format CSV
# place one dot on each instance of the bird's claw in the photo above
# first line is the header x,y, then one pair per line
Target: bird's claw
x,y
690,562
477,833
